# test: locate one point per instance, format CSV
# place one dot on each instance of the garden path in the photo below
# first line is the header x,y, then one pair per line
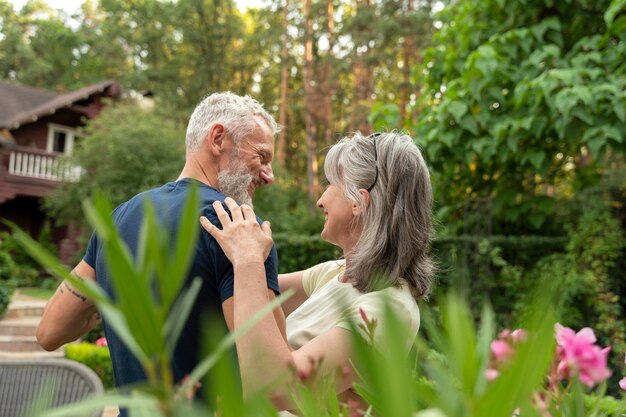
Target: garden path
x,y
17,334
17,329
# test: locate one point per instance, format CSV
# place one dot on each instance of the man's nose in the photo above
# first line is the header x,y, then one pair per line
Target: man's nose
x,y
267,175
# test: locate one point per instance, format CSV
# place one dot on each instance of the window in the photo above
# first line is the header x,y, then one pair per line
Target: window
x,y
60,139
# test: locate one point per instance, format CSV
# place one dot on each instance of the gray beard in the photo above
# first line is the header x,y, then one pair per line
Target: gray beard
x,y
234,183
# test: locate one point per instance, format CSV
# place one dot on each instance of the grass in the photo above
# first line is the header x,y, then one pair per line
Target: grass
x,y
42,293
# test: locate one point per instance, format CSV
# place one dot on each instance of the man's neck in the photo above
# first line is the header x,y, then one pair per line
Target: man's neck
x,y
193,169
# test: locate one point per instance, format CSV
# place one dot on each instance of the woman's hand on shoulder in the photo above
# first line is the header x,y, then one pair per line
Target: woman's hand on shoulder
x,y
242,238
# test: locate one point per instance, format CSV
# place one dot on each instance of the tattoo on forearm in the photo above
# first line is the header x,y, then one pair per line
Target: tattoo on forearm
x,y
74,293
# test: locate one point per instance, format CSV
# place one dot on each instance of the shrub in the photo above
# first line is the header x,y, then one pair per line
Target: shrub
x,y
94,357
21,267
6,290
298,252
8,272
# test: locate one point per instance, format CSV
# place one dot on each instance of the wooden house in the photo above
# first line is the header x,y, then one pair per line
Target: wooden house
x,y
37,127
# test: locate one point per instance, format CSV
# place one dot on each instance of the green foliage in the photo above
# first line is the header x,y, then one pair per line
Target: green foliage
x,y
522,98
286,205
152,303
445,376
22,268
298,252
6,289
95,357
591,284
123,152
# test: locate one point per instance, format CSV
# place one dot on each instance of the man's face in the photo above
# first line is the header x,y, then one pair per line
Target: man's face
x,y
250,165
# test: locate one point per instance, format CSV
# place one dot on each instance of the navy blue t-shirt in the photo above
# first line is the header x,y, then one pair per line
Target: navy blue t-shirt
x,y
209,263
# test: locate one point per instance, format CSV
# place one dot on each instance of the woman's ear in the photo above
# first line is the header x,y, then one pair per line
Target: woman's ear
x,y
365,196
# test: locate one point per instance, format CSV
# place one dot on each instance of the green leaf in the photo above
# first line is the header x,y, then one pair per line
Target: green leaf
x,y
457,109
52,264
134,293
614,8
447,138
184,248
583,115
619,109
90,405
536,159
516,383
468,123
564,102
536,219
178,315
227,342
596,144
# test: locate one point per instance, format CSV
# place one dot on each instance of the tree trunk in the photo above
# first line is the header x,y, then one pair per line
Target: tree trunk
x,y
310,126
329,89
284,77
408,48
363,78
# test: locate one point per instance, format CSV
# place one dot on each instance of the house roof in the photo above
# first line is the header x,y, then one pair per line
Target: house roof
x,y
20,104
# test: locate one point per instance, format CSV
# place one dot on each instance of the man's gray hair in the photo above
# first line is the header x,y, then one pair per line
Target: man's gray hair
x,y
396,226
235,112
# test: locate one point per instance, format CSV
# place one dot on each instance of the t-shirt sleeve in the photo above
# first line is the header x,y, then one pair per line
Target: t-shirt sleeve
x,y
223,269
316,276
374,306
90,253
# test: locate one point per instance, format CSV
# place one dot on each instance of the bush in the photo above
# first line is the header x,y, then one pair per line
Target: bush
x,y
6,289
20,266
298,252
8,272
94,357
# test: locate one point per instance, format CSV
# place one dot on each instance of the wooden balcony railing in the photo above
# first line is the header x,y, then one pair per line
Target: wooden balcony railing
x,y
36,163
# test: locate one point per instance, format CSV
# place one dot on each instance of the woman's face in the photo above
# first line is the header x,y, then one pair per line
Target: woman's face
x,y
339,213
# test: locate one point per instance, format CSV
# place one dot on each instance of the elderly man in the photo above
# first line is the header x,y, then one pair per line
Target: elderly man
x,y
229,150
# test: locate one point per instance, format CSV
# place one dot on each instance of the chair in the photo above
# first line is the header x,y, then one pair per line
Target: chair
x,y
22,381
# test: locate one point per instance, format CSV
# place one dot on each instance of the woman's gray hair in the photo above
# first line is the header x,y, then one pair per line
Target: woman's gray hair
x,y
396,226
235,112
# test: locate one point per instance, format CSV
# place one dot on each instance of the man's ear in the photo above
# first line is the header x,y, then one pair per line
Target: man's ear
x,y
215,139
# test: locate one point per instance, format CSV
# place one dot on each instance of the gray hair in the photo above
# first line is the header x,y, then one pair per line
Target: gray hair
x,y
235,112
396,226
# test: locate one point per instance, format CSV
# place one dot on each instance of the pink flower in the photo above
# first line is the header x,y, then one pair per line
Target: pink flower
x,y
577,353
101,342
501,350
491,374
622,382
518,335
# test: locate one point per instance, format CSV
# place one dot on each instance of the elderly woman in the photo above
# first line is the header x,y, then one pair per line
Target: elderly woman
x,y
377,208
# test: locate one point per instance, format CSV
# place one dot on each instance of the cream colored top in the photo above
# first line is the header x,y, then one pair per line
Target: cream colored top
x,y
334,303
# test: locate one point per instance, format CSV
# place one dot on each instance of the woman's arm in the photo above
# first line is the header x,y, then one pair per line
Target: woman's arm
x,y
247,245
292,280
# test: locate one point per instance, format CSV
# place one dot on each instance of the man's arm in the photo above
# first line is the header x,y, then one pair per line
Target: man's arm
x,y
68,314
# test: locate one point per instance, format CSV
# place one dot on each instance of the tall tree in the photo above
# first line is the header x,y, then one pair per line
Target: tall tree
x,y
310,102
284,87
362,66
